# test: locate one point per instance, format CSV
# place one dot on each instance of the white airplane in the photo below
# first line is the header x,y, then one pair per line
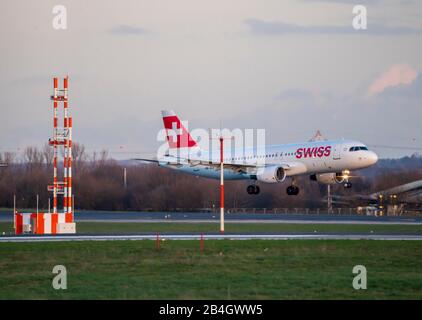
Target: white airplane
x,y
408,193
327,162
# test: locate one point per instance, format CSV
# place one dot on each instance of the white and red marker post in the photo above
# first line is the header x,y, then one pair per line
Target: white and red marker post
x,y
221,184
66,146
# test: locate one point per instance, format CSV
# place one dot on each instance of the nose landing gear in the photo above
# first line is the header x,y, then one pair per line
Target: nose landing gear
x,y
347,185
252,189
346,175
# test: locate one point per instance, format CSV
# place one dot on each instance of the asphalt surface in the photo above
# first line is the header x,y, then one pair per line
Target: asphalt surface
x,y
198,217
163,237
188,217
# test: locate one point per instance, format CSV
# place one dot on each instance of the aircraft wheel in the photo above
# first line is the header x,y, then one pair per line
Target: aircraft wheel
x,y
250,189
292,190
256,190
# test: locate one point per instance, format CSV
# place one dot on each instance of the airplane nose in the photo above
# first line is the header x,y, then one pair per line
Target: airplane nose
x,y
372,157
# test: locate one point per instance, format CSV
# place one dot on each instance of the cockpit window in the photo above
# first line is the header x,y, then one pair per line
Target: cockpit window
x,y
358,148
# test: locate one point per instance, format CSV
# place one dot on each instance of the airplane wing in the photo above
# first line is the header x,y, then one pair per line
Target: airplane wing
x,y
412,189
292,168
401,189
158,162
146,160
236,167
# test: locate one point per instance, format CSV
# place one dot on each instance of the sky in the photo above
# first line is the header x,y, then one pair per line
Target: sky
x,y
290,67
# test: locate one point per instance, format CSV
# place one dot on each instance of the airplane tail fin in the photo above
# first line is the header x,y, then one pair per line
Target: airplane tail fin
x,y
178,137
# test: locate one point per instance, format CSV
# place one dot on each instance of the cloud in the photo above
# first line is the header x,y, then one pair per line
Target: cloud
x,y
126,30
396,75
261,27
412,91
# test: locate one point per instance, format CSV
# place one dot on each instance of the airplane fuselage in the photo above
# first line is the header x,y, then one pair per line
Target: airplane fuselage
x,y
309,158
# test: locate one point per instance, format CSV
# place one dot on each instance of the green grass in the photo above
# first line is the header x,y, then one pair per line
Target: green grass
x,y
266,269
127,227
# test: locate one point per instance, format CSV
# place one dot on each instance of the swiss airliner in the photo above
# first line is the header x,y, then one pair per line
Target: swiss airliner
x,y
328,161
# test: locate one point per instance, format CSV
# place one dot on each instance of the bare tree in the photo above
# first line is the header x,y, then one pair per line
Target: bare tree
x,y
48,154
9,157
103,156
79,157
33,157
78,152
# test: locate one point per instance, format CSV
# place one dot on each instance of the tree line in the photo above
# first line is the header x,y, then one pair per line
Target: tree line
x,y
98,184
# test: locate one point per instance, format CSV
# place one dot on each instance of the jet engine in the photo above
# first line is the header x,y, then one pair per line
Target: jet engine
x,y
328,178
271,174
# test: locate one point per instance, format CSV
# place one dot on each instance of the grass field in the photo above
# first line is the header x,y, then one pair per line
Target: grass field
x,y
126,227
266,269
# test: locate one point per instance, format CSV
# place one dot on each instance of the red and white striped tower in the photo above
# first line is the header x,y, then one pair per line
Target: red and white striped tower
x,y
221,184
54,144
55,222
62,137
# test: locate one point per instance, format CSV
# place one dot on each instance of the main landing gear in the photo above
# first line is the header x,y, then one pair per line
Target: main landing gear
x,y
252,189
292,190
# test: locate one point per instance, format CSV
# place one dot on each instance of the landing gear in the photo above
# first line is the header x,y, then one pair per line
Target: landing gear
x,y
252,189
347,185
292,190
345,176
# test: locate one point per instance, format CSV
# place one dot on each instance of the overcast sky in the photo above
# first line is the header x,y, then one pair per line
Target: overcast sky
x,y
290,67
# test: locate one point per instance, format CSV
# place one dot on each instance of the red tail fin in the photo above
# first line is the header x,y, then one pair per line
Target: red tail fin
x,y
177,135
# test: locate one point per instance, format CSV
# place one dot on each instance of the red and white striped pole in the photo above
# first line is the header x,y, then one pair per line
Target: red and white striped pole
x,y
221,184
69,217
66,147
55,120
67,196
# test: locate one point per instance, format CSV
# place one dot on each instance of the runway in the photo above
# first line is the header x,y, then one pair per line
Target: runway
x,y
248,217
199,217
164,237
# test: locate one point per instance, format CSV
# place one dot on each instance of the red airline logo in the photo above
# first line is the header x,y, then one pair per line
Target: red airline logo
x,y
177,135
313,152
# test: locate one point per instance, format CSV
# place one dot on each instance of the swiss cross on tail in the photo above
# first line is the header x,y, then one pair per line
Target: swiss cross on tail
x,y
177,135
